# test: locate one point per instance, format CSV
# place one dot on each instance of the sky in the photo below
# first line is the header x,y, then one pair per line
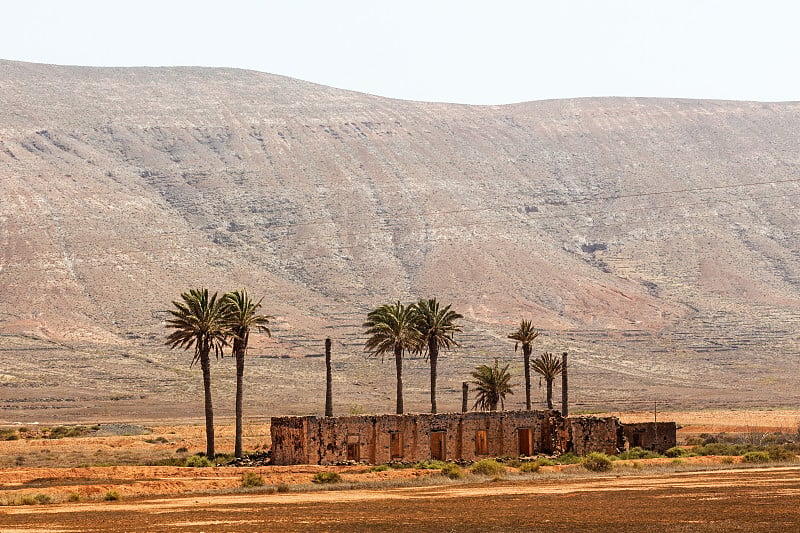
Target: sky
x,y
464,51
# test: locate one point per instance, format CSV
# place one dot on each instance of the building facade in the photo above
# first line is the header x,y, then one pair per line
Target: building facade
x,y
448,436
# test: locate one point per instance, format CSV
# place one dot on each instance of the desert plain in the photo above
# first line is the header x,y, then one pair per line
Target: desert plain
x,y
74,475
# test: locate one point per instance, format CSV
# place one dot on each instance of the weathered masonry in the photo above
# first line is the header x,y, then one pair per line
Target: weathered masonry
x,y
454,436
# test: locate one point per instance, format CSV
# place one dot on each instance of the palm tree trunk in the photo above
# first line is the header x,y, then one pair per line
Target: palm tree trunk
x,y
549,393
328,380
526,351
398,362
237,447
205,365
433,352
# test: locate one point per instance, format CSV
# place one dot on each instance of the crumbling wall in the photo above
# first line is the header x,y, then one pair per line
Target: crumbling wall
x,y
656,436
289,440
410,438
583,435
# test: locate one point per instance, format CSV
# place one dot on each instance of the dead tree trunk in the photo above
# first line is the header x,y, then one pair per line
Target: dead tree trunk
x,y
328,380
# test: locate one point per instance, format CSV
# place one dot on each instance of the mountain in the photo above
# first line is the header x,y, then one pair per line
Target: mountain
x,y
655,240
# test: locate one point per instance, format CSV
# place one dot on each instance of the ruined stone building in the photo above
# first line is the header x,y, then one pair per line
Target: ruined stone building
x,y
454,436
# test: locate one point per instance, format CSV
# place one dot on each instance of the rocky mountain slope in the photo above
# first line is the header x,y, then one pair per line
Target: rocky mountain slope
x,y
656,240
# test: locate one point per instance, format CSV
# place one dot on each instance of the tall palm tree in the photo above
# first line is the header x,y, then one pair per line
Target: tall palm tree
x,y
199,323
242,317
548,366
391,329
436,327
493,383
525,335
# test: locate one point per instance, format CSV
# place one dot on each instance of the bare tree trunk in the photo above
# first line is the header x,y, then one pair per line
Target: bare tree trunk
x,y
205,365
237,447
398,362
328,380
433,352
464,396
549,393
526,352
564,386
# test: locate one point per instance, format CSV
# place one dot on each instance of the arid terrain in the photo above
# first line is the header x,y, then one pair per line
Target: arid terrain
x,y
655,240
699,494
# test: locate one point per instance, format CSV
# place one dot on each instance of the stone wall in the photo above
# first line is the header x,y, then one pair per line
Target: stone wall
x,y
455,436
656,436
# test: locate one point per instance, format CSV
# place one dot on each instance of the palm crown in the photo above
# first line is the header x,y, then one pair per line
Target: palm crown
x,y
492,384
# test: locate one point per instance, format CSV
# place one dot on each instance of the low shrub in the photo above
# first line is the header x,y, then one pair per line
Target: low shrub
x,y
452,471
283,487
722,448
157,440
74,497
488,467
27,499
326,477
638,453
782,453
111,496
9,434
182,449
379,468
431,464
530,467
198,461
545,461
42,499
755,457
678,461
676,451
223,458
251,479
568,458
597,462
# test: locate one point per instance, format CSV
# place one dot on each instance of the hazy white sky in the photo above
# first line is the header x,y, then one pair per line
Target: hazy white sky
x,y
468,51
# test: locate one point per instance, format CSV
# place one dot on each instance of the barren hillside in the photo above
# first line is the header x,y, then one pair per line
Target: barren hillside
x,y
655,240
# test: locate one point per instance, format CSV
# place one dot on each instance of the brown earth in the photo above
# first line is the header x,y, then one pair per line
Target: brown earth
x,y
638,495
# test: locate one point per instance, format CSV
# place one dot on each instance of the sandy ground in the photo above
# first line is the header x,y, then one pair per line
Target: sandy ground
x,y
169,498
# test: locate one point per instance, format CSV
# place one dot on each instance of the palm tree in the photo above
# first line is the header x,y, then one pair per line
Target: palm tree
x,y
436,327
525,335
199,323
548,366
241,318
391,330
493,383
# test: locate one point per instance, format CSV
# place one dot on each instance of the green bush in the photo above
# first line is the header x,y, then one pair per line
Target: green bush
x,y
9,434
42,499
326,477
568,458
431,464
722,448
379,468
74,497
638,453
756,457
530,467
453,471
488,467
781,453
198,461
251,479
545,461
111,496
597,462
676,451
